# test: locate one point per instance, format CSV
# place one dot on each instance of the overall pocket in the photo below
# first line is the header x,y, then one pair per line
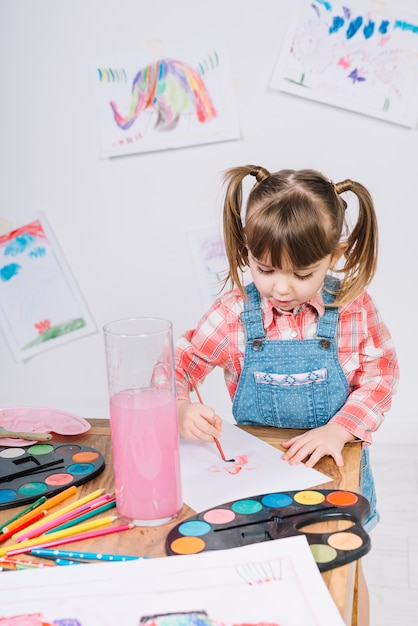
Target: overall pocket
x,y
293,400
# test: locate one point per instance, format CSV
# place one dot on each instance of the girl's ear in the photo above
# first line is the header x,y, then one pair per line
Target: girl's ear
x,y
338,253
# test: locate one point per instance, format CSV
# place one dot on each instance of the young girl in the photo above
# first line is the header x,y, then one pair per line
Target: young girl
x,y
299,347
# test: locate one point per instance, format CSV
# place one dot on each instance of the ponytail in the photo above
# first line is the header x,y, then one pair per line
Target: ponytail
x,y
233,228
362,245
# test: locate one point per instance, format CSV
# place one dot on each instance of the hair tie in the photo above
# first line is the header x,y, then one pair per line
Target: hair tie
x,y
260,173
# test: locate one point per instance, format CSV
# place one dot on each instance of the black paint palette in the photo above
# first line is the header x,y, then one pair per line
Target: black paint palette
x,y
44,469
277,515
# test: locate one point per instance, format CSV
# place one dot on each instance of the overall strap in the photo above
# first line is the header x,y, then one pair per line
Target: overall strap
x,y
252,316
327,324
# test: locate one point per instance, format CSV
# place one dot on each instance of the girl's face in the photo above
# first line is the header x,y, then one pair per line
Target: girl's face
x,y
289,287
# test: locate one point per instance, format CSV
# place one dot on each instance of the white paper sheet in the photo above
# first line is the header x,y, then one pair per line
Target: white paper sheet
x,y
275,583
41,305
207,481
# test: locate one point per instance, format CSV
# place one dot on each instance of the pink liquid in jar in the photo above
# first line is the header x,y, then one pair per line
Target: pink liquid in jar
x,y
146,456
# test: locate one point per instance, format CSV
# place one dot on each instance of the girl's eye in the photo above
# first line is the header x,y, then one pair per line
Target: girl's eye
x,y
261,271
303,277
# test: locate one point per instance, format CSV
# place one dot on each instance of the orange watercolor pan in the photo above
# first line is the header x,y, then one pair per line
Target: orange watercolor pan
x,y
277,515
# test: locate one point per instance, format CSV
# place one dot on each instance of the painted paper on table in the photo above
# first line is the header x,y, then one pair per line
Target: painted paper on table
x,y
40,303
258,468
182,97
358,55
267,584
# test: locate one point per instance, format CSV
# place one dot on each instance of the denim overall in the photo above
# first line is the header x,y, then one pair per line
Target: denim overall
x,y
294,383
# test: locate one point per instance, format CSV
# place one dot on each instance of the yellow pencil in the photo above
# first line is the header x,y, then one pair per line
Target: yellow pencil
x,y
60,534
65,509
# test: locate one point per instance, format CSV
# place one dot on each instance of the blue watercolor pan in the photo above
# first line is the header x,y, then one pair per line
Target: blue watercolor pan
x,y
276,515
44,469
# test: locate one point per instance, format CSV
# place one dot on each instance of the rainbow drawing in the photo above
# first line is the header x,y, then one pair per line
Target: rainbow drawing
x,y
164,99
171,88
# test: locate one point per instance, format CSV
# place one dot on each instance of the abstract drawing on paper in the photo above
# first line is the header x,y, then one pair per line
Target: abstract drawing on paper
x,y
257,468
355,55
267,584
210,261
40,303
182,98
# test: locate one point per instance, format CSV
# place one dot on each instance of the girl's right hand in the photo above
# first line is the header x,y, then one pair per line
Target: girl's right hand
x,y
198,421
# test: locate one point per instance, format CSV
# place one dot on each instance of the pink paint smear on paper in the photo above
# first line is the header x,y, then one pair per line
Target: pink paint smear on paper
x,y
239,464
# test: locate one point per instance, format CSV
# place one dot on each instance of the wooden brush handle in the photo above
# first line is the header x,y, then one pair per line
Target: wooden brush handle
x,y
24,435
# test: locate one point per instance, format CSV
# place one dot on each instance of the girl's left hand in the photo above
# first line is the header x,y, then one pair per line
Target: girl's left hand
x,y
316,443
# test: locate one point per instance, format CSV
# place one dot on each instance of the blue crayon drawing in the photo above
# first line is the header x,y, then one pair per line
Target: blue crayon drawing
x,y
8,271
353,56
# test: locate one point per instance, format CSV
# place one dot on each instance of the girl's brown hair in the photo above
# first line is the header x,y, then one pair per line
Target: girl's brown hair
x,y
299,216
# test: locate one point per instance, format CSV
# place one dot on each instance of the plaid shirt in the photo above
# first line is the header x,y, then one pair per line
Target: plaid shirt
x,y
365,352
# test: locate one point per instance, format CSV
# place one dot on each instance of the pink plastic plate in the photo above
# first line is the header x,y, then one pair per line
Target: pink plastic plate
x,y
39,420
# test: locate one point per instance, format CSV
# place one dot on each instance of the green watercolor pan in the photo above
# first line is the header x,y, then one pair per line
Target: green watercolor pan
x,y
44,469
277,515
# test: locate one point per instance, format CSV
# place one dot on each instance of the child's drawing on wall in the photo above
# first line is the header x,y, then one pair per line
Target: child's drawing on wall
x,y
40,304
173,101
356,55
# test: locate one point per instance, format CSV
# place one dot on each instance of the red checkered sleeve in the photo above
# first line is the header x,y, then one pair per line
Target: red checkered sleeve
x,y
368,357
214,342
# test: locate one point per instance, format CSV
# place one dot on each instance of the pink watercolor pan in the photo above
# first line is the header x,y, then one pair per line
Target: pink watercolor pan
x,y
276,515
39,420
44,469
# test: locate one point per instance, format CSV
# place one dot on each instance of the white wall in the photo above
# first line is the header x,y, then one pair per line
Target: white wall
x,y
122,223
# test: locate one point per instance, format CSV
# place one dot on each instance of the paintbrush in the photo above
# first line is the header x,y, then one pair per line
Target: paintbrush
x,y
218,445
12,434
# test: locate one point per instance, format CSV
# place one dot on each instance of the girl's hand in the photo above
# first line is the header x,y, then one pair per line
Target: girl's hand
x,y
198,421
316,443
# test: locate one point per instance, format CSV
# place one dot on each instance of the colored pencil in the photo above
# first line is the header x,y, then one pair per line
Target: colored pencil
x,y
15,563
70,507
10,533
103,521
5,527
89,556
98,532
52,524
81,518
12,528
60,497
49,503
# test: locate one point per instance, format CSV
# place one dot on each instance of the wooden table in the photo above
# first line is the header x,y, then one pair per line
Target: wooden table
x,y
142,541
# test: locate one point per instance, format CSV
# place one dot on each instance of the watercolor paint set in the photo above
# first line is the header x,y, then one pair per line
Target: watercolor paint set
x,y
44,469
277,515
